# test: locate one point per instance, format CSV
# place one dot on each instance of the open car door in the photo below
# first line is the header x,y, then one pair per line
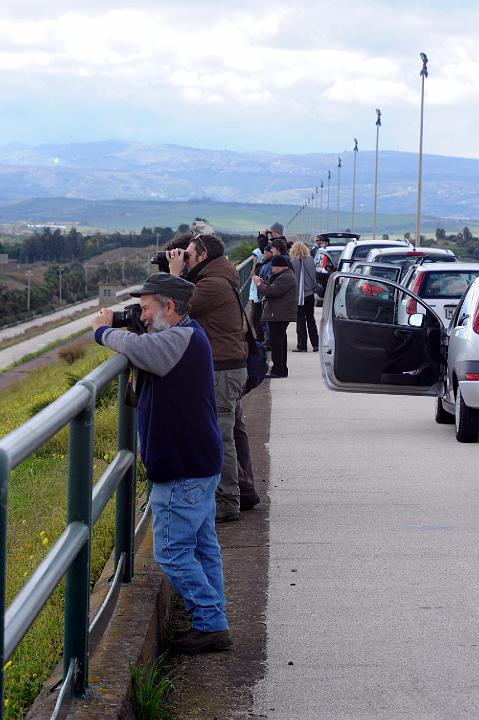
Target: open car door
x,y
371,343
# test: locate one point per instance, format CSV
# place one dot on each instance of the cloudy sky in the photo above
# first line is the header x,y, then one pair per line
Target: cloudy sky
x,y
296,76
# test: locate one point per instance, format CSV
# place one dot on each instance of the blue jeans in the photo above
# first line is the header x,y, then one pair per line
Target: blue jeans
x,y
186,547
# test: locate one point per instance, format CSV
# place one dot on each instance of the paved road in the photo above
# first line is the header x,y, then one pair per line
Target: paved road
x,y
373,610
39,342
17,330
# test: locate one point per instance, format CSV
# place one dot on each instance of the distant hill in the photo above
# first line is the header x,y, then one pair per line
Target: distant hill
x,y
111,170
126,215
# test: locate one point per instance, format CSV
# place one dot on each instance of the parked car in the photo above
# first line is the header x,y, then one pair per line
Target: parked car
x,y
368,346
406,257
359,249
440,285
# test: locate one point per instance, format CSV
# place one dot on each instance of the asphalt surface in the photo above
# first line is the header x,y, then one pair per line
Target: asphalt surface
x,y
373,588
18,330
36,344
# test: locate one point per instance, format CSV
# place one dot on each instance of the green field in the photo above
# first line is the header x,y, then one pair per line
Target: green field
x,y
126,215
37,517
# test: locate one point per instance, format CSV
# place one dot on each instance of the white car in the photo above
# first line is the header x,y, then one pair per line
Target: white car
x,y
406,257
440,285
367,346
359,249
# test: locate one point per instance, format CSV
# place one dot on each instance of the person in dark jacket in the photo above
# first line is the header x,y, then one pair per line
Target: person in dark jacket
x,y
215,306
279,310
181,449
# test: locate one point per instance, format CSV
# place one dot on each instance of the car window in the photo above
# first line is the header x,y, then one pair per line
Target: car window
x,y
360,251
447,284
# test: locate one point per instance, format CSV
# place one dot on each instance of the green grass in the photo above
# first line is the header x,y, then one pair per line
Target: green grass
x,y
152,685
37,516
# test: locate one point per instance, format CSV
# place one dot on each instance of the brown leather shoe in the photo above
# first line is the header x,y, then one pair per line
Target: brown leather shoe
x,y
196,642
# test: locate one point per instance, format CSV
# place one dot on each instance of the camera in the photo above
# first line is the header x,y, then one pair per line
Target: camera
x,y
160,258
129,318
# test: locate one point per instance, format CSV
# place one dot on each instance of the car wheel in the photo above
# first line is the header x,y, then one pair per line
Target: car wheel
x,y
442,416
467,421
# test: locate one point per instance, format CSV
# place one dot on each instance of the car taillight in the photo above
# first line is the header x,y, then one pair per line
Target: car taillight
x,y
324,262
368,288
411,305
472,376
475,324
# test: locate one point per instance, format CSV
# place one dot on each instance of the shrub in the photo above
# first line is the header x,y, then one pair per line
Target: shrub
x,y
72,353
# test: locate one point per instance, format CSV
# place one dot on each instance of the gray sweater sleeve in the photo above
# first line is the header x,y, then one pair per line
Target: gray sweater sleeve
x,y
157,352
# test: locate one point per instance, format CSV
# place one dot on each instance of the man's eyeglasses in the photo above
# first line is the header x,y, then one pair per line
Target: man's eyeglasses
x,y
198,237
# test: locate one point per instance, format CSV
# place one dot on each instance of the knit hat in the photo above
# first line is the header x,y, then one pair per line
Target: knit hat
x,y
169,286
277,228
279,261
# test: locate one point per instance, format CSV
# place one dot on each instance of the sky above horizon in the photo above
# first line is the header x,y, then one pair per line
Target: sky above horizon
x,y
276,76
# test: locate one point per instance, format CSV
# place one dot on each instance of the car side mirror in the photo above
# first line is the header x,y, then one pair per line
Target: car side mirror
x,y
416,320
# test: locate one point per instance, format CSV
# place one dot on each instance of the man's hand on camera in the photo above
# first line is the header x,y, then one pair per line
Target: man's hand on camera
x,y
104,318
176,258
256,279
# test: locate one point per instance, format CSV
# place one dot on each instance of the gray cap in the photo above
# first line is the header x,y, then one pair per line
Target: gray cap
x,y
277,228
169,286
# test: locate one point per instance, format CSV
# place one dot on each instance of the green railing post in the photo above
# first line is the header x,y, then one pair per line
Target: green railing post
x,y
126,492
4,477
77,584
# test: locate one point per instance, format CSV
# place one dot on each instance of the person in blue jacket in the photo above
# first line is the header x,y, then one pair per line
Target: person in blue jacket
x,y
181,449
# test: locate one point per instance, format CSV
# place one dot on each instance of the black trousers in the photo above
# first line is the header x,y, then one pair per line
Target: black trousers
x,y
305,319
279,347
256,317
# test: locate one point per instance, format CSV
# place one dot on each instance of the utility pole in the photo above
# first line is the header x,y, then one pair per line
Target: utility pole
x,y
423,74
337,200
29,279
123,266
327,207
378,125
354,181
60,270
85,267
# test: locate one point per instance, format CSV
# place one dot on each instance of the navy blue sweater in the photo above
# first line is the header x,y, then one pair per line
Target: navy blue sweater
x,y
177,418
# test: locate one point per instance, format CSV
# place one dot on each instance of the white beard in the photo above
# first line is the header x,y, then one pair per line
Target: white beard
x,y
159,323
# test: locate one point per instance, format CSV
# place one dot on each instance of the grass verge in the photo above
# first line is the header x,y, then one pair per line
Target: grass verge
x,y
152,685
37,516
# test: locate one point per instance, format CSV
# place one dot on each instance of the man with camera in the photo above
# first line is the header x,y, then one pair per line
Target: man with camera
x,y
181,448
215,306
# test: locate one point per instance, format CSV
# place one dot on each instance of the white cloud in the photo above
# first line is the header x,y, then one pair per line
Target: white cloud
x,y
311,61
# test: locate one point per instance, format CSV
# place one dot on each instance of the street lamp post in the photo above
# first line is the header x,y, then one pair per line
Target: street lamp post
x,y
423,75
337,199
327,206
354,182
29,279
60,270
85,267
378,125
321,206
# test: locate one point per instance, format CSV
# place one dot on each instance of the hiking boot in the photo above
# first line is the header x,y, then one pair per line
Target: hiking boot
x,y
227,517
199,642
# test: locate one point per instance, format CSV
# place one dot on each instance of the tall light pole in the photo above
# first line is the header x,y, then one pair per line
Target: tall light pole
x,y
321,206
354,181
85,267
378,125
327,207
337,199
29,279
423,75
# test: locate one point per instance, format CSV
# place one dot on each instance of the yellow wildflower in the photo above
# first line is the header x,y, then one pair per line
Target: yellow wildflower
x,y
7,665
45,541
42,533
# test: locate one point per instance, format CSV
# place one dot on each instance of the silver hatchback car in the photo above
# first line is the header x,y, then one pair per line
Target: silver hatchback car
x,y
367,345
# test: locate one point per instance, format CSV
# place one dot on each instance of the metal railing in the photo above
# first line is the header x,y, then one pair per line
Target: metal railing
x,y
69,557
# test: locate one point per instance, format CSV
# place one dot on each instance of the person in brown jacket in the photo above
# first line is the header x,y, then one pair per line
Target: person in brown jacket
x,y
279,310
215,306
